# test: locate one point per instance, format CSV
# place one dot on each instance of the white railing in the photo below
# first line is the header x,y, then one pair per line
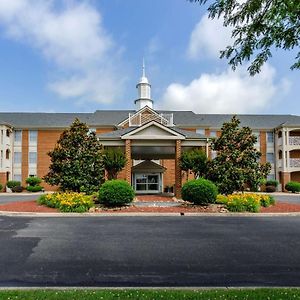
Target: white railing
x,y
279,163
294,162
280,141
294,140
142,118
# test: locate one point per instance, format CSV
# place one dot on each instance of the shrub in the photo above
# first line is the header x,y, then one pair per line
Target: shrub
x,y
116,193
33,181
199,191
293,186
17,189
35,188
270,188
67,202
272,183
245,202
1,187
13,183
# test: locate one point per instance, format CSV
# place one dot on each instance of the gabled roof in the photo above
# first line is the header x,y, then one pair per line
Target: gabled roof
x,y
149,166
132,132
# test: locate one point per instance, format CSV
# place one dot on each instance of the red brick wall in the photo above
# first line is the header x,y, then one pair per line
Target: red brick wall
x,y
263,147
46,142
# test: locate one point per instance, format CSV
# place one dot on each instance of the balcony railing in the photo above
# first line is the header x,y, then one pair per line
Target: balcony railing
x,y
294,162
280,141
294,140
142,118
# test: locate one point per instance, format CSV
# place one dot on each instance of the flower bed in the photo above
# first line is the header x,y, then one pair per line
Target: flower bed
x,y
245,202
67,202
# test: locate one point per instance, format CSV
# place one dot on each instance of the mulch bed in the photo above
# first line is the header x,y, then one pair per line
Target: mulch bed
x,y
26,206
32,206
280,207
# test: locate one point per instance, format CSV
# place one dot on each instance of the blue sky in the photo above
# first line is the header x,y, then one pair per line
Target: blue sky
x,y
77,56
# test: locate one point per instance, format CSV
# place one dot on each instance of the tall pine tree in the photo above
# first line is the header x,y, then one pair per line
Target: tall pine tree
x,y
76,161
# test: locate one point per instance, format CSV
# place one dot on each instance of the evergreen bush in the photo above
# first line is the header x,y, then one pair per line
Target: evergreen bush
x,y
33,181
116,193
13,183
272,183
293,186
199,191
34,188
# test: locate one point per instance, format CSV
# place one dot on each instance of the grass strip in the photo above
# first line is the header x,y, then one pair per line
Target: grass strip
x,y
247,294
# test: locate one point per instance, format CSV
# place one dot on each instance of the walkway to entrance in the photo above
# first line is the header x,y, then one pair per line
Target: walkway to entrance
x,y
160,200
156,198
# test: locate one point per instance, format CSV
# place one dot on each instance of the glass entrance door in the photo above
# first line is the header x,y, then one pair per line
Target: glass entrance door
x,y
147,183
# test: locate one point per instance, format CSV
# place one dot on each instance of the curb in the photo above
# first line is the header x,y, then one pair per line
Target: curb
x,y
145,214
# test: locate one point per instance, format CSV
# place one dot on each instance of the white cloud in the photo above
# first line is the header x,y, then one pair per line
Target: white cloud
x,y
208,38
72,36
226,92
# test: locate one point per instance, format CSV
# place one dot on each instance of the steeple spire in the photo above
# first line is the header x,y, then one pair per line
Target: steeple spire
x,y
144,69
144,91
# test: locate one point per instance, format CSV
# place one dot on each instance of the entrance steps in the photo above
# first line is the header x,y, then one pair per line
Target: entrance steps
x,y
156,200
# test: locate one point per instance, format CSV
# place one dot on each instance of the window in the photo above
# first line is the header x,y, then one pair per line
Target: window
x,y
7,154
270,158
17,157
270,137
1,158
18,136
18,177
213,133
32,136
7,132
200,131
1,136
271,177
32,157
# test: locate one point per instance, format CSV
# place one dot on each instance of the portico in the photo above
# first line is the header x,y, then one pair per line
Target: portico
x,y
147,147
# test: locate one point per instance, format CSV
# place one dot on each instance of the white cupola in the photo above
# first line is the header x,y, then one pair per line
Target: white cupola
x,y
144,92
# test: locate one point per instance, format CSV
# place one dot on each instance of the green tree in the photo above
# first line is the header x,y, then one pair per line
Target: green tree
x,y
259,26
237,161
114,161
194,161
76,161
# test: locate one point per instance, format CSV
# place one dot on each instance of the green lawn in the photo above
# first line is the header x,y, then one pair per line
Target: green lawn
x,y
255,294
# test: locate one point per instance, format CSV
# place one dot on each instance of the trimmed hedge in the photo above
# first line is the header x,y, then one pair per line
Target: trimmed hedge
x,y
13,183
33,181
34,189
199,191
272,183
293,186
114,193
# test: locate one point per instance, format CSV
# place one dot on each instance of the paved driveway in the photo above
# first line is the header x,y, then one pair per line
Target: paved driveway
x,y
150,251
16,197
286,197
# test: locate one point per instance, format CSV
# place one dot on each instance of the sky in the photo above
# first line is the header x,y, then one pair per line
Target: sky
x,y
82,56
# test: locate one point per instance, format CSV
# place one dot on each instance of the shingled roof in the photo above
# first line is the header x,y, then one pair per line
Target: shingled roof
x,y
114,117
